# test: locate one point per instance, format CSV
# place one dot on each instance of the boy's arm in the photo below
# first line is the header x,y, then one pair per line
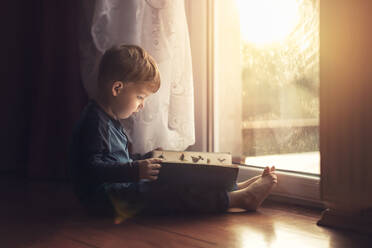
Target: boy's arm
x,y
107,171
94,152
137,156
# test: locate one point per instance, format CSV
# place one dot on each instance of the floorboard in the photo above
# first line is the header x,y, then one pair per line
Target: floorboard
x,y
45,214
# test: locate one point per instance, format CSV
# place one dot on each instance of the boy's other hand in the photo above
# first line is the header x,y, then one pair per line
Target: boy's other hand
x,y
149,168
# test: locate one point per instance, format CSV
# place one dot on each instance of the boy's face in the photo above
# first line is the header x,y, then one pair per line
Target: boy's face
x,y
129,98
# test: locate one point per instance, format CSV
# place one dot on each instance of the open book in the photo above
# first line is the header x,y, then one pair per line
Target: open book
x,y
206,169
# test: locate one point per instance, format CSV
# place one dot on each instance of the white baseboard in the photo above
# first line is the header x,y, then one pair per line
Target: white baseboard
x,y
291,187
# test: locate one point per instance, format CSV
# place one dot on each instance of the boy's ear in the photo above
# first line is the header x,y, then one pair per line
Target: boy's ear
x,y
117,87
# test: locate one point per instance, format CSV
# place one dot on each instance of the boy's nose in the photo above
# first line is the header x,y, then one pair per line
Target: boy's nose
x,y
141,106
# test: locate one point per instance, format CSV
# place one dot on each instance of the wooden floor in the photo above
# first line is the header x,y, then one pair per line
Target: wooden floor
x,y
44,214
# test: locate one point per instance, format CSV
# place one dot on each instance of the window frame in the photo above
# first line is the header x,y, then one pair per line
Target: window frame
x,y
295,188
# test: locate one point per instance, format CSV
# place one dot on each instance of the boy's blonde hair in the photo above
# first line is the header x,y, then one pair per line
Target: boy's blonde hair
x,y
128,63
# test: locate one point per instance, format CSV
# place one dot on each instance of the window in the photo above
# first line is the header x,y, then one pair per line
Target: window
x,y
278,61
280,83
256,67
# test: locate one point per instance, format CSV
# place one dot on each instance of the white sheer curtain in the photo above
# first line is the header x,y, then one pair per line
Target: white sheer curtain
x,y
160,27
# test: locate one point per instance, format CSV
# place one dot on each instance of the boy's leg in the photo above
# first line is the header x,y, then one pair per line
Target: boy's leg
x,y
166,199
251,197
248,182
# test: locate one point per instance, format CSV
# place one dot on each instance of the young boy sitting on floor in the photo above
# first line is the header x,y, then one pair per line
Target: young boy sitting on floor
x,y
106,179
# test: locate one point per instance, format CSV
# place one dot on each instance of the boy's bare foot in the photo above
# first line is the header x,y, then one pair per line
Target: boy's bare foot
x,y
251,197
268,170
248,182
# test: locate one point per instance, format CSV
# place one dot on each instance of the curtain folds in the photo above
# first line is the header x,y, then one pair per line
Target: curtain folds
x,y
160,27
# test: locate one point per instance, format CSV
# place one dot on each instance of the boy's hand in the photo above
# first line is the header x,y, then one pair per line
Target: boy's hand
x,y
149,168
147,155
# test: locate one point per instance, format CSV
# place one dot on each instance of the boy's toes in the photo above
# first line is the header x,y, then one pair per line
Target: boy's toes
x,y
274,178
266,171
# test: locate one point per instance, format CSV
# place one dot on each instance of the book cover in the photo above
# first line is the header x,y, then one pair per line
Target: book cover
x,y
202,169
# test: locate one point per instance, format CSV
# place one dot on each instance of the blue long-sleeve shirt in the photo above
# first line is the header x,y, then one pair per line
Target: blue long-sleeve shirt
x,y
105,175
99,157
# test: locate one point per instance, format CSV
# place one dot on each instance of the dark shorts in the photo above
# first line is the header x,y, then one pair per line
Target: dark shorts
x,y
152,198
167,199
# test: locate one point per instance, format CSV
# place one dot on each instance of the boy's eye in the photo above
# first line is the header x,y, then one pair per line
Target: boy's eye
x,y
140,97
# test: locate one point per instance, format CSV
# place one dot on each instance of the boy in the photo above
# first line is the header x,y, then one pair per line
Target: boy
x,y
106,179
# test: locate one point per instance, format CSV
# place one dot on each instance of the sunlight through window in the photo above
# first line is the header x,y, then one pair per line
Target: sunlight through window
x,y
280,81
267,21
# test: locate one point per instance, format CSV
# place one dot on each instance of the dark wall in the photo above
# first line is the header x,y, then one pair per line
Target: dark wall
x,y
16,67
41,94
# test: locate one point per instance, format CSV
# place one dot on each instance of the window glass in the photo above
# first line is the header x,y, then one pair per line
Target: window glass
x,y
280,82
